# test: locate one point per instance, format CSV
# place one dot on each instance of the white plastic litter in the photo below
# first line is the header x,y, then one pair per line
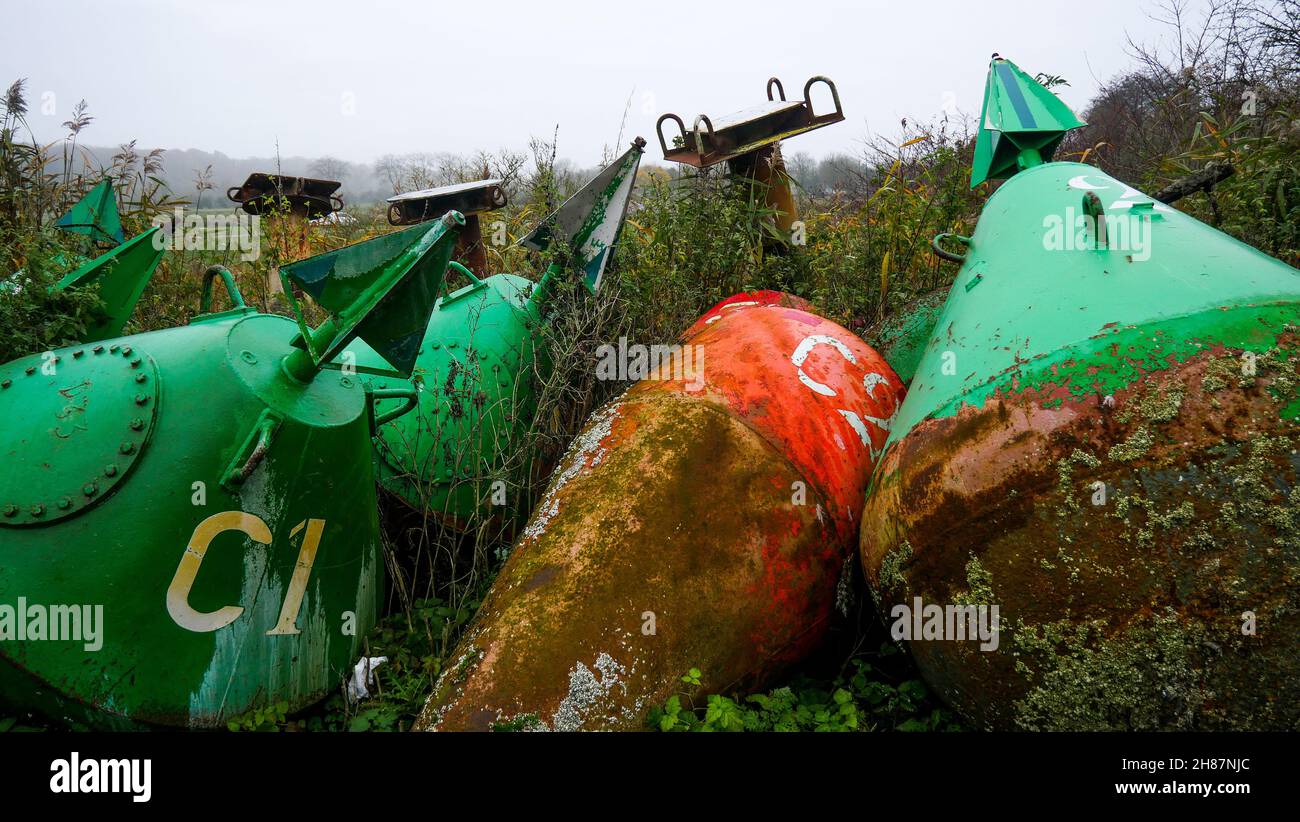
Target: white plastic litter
x,y
363,675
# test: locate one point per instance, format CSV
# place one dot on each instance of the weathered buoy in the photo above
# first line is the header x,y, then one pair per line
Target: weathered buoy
x,y
188,519
702,520
1101,442
479,364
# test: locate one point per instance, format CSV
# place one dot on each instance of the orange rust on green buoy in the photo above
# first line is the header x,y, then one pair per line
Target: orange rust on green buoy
x,y
1099,449
702,520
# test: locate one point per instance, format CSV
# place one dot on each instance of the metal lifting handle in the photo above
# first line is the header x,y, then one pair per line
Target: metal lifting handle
x,y
463,270
703,118
835,95
374,395
475,283
205,301
264,436
255,446
659,129
779,88
948,255
1093,207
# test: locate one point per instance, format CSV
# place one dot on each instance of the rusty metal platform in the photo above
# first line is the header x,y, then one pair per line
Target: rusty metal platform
x,y
427,204
307,197
710,142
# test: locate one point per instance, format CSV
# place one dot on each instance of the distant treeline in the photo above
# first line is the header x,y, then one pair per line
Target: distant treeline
x,y
367,183
189,173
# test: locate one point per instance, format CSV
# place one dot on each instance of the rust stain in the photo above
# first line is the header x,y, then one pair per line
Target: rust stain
x,y
1141,590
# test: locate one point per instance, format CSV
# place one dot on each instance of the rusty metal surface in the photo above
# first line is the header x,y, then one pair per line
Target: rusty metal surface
x,y
694,523
307,197
709,142
471,199
766,167
427,204
1125,538
1100,441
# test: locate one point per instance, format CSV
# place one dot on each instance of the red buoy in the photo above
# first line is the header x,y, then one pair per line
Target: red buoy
x,y
702,520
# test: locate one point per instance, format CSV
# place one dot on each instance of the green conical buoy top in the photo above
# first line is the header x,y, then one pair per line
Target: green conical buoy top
x,y
381,290
590,221
95,215
121,274
1021,124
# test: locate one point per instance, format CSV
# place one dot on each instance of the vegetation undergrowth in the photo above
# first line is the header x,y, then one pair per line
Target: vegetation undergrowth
x,y
879,691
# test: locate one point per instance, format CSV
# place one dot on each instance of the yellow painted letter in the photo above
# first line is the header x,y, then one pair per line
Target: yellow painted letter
x,y
178,593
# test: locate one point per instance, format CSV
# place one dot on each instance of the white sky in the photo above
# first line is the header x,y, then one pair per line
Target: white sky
x,y
235,75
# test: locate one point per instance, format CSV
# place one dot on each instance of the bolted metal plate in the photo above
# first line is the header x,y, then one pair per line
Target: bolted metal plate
x,y
77,422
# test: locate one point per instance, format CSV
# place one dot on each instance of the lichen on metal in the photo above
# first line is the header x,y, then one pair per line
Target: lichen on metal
x,y
701,520
1108,431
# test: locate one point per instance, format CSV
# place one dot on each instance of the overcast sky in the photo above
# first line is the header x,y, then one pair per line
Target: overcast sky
x,y
363,78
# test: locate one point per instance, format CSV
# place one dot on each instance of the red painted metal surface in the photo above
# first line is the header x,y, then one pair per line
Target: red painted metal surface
x,y
747,299
812,388
700,521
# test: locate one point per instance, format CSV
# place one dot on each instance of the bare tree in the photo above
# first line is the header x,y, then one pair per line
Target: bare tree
x,y
329,168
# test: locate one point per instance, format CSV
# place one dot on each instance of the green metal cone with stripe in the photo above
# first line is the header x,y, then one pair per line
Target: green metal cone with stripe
x,y
188,517
479,363
95,215
1101,439
1021,124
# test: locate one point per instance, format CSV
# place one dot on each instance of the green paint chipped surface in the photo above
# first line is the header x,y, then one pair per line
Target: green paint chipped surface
x,y
1082,324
